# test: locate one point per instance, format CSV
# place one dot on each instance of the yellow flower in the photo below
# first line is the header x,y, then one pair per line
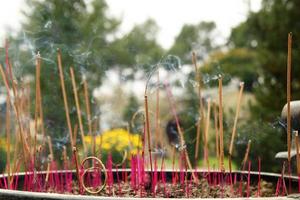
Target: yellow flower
x,y
117,139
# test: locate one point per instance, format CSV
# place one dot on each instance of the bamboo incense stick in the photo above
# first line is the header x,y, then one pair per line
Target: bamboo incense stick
x,y
297,152
7,129
75,130
207,124
217,131
200,110
221,124
289,66
235,123
50,148
78,109
61,76
89,118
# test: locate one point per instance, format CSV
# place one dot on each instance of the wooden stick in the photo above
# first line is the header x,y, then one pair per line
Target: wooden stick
x,y
75,130
89,118
7,129
78,109
221,124
61,76
297,152
207,124
50,148
289,66
235,123
200,110
217,132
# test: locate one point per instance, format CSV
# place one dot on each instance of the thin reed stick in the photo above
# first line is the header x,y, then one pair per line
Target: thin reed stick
x,y
200,109
207,124
89,118
235,123
297,152
62,82
288,88
221,124
217,131
78,109
7,129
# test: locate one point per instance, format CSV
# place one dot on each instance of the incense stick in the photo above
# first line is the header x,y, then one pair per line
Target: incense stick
x,y
157,114
37,91
289,66
61,76
200,110
221,125
235,122
297,152
89,118
217,132
148,130
78,109
7,129
246,156
206,134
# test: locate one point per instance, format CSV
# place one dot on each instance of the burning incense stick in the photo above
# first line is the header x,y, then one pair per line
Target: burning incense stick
x,y
288,88
235,122
221,125
7,129
206,134
78,109
61,76
217,131
89,118
297,152
200,110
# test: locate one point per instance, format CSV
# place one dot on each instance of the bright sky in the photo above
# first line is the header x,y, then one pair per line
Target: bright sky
x,y
170,15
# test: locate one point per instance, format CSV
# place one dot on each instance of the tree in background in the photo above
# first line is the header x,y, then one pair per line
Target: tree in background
x,y
265,33
86,35
199,38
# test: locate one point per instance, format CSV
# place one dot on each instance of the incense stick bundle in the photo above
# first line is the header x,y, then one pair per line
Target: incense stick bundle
x,y
221,124
289,66
235,122
148,130
62,82
78,109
